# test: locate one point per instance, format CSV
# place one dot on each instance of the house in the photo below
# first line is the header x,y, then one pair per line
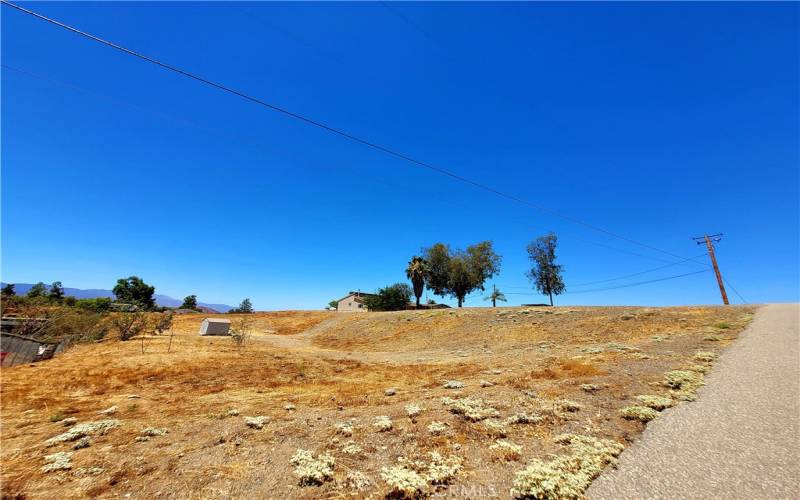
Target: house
x,y
353,302
215,326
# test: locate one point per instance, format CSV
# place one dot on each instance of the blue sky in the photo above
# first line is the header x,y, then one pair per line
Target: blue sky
x,y
656,121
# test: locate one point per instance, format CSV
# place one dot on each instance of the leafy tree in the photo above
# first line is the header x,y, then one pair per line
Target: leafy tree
x,y
438,264
495,296
416,271
70,301
545,274
135,291
56,291
246,306
189,302
391,298
8,290
458,273
99,304
38,290
333,304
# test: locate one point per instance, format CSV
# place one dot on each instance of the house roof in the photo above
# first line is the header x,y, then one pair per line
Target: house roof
x,y
358,294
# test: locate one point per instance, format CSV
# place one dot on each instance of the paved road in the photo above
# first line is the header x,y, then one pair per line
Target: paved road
x,y
741,439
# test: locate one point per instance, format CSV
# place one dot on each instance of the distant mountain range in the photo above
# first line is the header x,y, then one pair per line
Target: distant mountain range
x,y
93,293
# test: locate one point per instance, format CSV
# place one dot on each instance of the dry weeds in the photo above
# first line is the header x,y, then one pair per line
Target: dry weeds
x,y
537,360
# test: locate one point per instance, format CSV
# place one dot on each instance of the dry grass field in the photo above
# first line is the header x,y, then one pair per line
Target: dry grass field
x,y
178,426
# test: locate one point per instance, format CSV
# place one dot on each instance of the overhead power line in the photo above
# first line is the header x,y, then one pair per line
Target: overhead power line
x,y
340,132
253,141
570,285
628,285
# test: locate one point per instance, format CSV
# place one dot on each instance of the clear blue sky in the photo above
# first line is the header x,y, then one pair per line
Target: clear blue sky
x,y
658,121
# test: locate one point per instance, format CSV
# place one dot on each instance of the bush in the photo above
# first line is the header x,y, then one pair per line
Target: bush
x,y
99,304
566,476
310,470
640,413
392,298
130,325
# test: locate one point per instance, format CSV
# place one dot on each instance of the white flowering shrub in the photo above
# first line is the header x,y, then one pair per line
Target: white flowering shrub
x,y
344,428
403,482
655,402
567,476
524,418
351,448
700,368
437,428
705,356
442,470
495,428
383,423
684,384
506,450
413,410
356,480
58,461
472,409
680,379
413,478
81,430
310,470
640,413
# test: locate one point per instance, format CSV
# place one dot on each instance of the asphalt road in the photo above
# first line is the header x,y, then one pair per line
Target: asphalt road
x,y
740,439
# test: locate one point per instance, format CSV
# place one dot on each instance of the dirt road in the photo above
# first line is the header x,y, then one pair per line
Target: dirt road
x,y
741,439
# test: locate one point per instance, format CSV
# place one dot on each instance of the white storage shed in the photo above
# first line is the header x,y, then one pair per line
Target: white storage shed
x,y
215,326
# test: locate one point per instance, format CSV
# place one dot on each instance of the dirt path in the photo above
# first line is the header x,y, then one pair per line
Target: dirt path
x,y
301,343
741,439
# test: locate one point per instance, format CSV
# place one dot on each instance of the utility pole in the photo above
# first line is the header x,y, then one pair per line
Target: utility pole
x,y
709,241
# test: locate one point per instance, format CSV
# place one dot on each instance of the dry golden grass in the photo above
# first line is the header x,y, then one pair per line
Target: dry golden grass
x,y
337,372
277,322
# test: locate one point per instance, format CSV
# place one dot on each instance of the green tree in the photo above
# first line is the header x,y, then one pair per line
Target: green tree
x,y
416,271
245,307
190,302
459,273
545,274
56,292
135,291
495,296
38,290
99,304
391,298
8,290
333,304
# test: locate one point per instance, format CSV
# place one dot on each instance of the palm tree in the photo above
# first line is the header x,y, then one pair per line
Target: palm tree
x,y
495,296
417,271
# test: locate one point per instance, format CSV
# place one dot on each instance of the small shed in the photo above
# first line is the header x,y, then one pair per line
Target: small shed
x,y
215,326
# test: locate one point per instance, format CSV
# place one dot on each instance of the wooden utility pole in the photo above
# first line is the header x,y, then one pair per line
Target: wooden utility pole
x,y
709,241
